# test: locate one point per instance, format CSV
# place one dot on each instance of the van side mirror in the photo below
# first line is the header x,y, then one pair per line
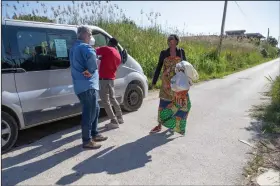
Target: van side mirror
x,y
124,56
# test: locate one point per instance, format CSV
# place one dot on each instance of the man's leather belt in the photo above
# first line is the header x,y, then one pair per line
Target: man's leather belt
x,y
104,79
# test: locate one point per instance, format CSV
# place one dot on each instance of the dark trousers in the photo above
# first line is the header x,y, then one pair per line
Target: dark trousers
x,y
90,114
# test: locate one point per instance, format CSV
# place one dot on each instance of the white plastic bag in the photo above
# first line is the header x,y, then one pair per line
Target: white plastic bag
x,y
189,70
180,82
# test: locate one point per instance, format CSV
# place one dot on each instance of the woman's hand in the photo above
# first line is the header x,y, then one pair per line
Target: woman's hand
x,y
180,98
167,86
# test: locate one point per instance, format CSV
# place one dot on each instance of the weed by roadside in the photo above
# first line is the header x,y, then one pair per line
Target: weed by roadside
x,y
144,43
267,153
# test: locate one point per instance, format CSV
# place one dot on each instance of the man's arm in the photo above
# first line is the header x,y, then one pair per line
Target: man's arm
x,y
118,59
89,56
98,51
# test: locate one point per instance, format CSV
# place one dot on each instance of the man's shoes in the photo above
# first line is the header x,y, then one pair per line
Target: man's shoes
x,y
91,145
99,138
114,124
120,120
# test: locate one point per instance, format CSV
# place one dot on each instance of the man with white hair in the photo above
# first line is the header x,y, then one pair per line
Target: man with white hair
x,y
86,86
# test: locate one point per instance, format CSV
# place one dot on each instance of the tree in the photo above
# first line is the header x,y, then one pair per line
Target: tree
x,y
272,41
29,17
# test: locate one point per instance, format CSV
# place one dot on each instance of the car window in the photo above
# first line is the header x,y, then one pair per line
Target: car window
x,y
100,39
59,48
44,49
7,62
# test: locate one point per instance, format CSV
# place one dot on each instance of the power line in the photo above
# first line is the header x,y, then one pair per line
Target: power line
x,y
240,9
250,21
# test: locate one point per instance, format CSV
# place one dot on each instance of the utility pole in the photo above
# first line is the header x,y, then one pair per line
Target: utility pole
x,y
267,34
222,28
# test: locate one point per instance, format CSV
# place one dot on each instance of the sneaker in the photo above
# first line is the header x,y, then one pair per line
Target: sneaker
x,y
91,145
114,121
112,126
99,138
156,129
120,120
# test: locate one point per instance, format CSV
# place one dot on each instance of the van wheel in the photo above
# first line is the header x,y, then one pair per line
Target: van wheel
x,y
133,98
9,131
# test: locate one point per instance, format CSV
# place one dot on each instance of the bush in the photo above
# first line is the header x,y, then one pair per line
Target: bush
x,y
145,43
264,52
275,91
271,114
272,52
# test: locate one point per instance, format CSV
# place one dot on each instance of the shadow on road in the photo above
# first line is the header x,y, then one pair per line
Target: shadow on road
x,y
256,128
18,174
36,133
33,134
122,159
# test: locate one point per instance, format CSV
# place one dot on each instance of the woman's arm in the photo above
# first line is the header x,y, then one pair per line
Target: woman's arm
x,y
183,54
158,69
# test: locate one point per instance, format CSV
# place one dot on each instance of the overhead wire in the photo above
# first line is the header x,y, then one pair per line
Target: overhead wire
x,y
248,20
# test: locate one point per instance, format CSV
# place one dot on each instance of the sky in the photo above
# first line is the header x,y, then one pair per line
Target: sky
x,y
197,17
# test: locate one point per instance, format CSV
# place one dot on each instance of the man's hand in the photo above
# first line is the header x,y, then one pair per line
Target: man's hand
x,y
87,74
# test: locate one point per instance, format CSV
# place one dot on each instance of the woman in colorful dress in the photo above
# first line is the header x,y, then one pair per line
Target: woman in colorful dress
x,y
173,106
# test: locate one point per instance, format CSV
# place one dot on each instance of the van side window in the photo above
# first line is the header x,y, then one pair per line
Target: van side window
x,y
59,48
32,46
44,49
7,63
100,39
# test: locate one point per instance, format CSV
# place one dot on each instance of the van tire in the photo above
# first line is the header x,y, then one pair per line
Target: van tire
x,y
133,98
9,123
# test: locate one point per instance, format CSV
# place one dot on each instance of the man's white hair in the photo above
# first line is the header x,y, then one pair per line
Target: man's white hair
x,y
82,30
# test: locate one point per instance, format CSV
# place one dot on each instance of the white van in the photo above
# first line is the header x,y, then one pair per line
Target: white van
x,y
36,80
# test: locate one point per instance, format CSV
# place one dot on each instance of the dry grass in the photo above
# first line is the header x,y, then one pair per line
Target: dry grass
x,y
145,44
267,154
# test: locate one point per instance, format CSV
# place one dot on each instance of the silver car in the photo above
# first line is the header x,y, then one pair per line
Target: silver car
x,y
36,80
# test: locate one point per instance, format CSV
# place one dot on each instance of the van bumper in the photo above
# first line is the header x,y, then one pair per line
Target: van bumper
x,y
146,87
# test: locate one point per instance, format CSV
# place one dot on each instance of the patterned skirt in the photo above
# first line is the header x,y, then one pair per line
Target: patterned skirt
x,y
173,116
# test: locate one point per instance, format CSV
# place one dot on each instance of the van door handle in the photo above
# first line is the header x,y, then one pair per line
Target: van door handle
x,y
19,70
13,70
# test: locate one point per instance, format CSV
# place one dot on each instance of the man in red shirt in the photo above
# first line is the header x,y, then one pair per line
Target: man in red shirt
x,y
110,61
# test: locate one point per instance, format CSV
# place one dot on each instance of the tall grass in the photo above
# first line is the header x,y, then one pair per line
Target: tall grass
x,y
271,114
145,43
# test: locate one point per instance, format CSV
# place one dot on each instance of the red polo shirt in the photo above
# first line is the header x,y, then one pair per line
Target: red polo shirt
x,y
110,61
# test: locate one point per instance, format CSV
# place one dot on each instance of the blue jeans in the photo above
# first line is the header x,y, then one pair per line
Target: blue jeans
x,y
90,114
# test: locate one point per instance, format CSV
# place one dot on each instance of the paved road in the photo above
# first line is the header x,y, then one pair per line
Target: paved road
x,y
209,154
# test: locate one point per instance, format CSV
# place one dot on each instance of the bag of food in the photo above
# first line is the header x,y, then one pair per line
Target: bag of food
x,y
188,69
180,82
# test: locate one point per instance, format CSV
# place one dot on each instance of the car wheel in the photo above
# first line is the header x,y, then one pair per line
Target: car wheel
x,y
133,98
9,131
